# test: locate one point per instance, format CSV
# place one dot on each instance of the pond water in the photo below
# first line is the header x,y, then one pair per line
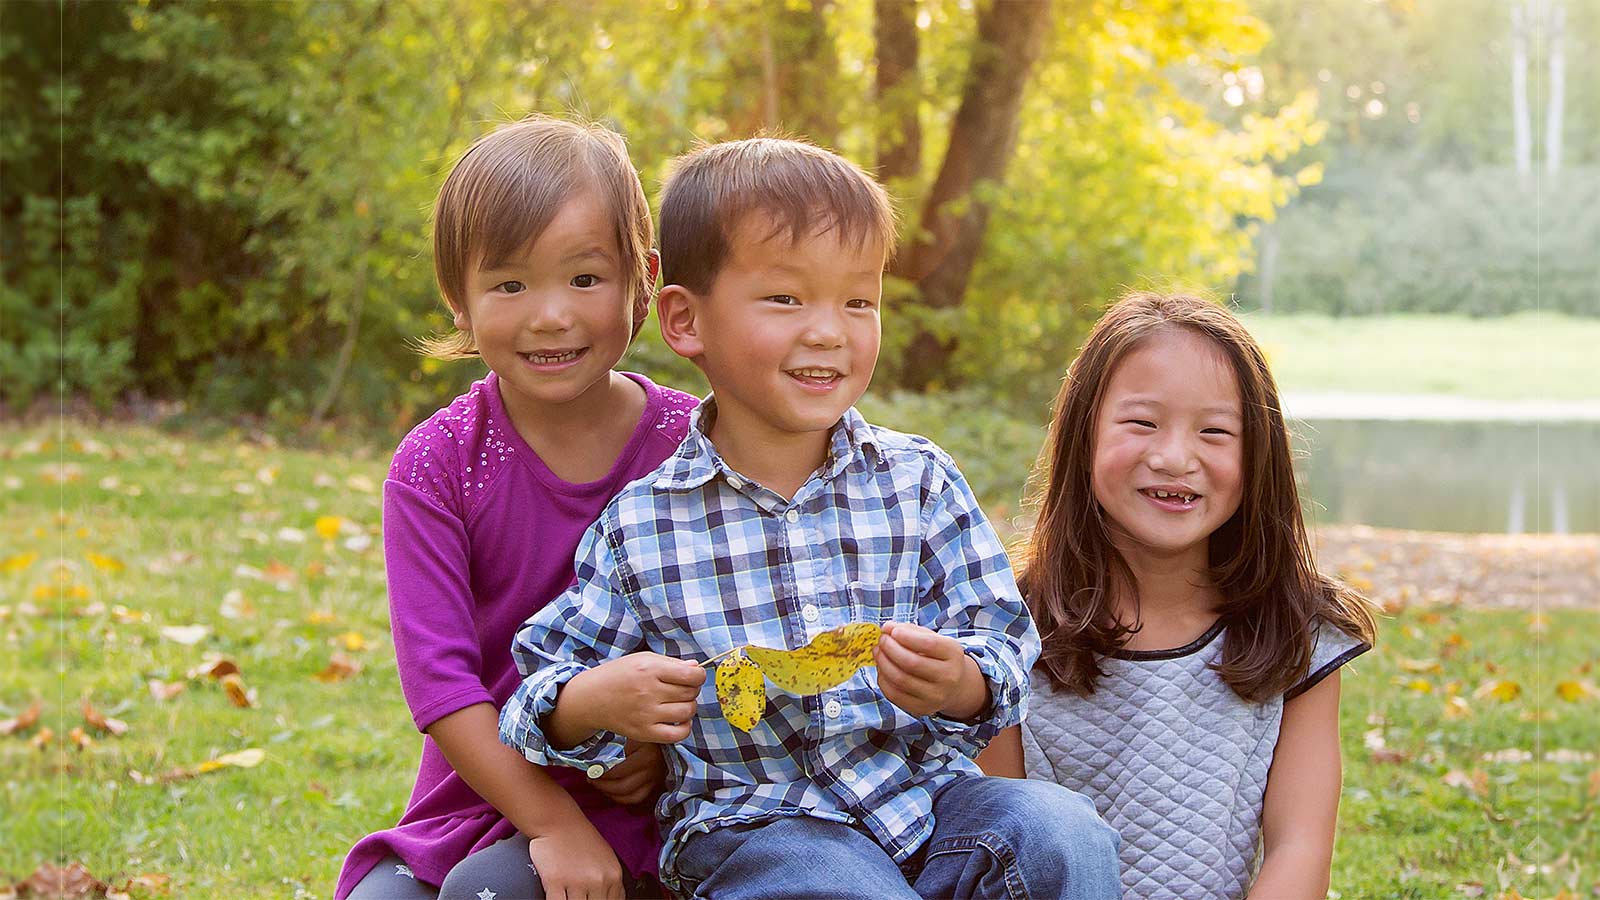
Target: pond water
x,y
1467,476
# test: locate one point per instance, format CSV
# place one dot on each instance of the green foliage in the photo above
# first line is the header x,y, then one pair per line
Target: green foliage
x,y
1482,242
226,203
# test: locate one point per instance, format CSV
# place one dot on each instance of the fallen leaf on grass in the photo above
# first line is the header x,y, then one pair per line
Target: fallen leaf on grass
x,y
1379,750
320,617
128,616
1457,708
340,667
80,737
187,635
161,690
28,719
104,563
214,665
1573,691
101,722
1418,665
1477,783
1420,685
235,606
14,564
43,738
233,686
328,526
352,641
243,759
61,883
1503,690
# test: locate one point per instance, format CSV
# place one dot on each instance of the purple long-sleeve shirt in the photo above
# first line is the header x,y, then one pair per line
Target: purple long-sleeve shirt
x,y
478,534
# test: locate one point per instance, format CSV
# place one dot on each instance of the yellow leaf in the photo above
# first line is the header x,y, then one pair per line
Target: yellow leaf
x,y
1500,689
244,759
740,691
320,617
830,659
105,563
339,668
1419,665
14,564
352,641
1457,708
1573,691
328,526
1420,685
233,686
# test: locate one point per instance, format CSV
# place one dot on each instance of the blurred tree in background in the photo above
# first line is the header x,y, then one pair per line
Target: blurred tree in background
x,y
1427,204
226,203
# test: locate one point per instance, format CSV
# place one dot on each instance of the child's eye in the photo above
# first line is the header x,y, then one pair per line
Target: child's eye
x,y
1216,431
585,281
510,287
784,299
859,303
1142,423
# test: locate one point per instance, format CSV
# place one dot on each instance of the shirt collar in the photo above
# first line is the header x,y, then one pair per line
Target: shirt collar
x,y
697,461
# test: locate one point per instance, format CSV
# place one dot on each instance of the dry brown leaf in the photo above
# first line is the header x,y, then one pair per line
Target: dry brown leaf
x,y
233,686
43,738
236,606
80,737
214,665
277,571
340,667
163,691
1594,784
99,721
62,883
1457,708
23,722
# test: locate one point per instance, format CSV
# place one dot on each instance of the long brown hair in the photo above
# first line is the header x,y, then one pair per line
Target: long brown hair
x,y
1260,559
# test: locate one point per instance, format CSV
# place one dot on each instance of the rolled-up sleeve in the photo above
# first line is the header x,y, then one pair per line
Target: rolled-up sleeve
x,y
967,592
589,624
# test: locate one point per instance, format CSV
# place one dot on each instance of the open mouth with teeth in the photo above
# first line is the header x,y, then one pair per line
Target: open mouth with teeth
x,y
1174,500
554,358
815,377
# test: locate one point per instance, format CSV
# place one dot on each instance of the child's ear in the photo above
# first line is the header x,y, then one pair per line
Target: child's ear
x,y
653,261
675,309
461,321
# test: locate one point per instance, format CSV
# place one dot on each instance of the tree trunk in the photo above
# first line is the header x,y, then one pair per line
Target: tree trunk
x,y
1521,128
940,259
807,69
1555,33
899,95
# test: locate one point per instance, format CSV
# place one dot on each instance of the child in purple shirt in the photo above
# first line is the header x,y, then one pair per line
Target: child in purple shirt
x,y
542,250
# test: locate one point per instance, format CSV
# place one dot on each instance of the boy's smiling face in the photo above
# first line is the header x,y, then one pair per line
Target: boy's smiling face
x,y
788,333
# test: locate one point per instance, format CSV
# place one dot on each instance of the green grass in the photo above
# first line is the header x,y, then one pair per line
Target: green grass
x,y
1528,356
192,520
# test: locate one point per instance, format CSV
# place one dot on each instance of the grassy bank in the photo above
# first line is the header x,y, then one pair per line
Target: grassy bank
x,y
128,556
1528,356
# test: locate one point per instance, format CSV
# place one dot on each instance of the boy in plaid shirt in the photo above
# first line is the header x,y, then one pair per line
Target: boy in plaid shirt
x,y
782,515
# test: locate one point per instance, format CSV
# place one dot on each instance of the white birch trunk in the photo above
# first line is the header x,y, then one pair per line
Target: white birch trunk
x,y
1521,127
1556,26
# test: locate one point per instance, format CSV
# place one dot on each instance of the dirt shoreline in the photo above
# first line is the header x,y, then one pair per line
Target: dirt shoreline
x,y
1525,571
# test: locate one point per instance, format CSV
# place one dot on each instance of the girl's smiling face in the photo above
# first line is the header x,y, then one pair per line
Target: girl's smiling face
x,y
1168,446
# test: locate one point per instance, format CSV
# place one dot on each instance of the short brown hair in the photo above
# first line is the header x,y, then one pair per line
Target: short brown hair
x,y
802,186
1261,560
507,187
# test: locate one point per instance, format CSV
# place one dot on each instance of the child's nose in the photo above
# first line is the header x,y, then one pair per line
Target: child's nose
x,y
825,330
1173,456
549,314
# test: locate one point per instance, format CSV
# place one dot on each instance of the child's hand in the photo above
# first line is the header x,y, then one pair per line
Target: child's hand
x,y
923,672
644,696
575,861
638,777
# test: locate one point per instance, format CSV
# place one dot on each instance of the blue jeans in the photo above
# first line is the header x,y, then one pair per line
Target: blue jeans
x,y
992,837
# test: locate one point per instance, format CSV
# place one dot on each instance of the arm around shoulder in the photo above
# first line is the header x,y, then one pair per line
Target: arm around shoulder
x,y
1301,807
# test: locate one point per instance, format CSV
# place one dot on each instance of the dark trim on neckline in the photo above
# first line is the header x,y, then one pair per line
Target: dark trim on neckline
x,y
1194,646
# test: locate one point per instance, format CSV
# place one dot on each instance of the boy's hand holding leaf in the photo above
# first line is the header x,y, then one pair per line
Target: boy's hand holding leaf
x,y
644,696
924,673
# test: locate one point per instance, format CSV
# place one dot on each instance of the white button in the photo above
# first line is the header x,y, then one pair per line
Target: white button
x,y
792,515
848,776
596,770
832,708
735,482
809,613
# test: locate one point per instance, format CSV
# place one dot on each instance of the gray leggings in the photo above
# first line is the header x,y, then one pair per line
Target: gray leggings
x,y
500,871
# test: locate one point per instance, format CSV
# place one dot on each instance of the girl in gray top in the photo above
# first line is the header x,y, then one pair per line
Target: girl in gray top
x,y
1188,682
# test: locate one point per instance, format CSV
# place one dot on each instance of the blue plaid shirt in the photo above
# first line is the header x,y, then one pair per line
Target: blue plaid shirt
x,y
695,559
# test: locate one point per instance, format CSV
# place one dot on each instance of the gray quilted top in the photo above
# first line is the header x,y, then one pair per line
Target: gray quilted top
x,y
1173,759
